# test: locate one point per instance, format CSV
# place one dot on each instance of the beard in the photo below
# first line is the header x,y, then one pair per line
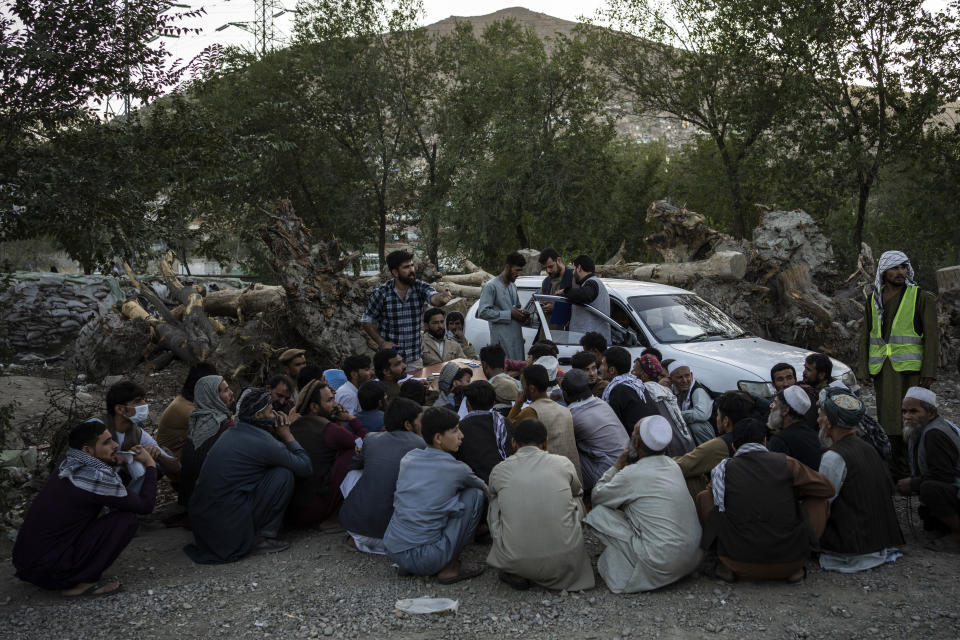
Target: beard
x,y
825,441
437,335
408,280
775,420
910,428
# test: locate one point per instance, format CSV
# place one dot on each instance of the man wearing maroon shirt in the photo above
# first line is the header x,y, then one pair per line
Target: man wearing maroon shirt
x,y
64,543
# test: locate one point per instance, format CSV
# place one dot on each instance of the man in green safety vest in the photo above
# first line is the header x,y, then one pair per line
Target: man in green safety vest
x,y
900,347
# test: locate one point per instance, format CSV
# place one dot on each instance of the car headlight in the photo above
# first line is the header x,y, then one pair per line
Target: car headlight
x,y
849,379
759,389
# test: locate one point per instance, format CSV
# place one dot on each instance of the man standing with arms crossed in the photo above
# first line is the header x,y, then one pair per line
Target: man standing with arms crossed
x,y
900,347
393,314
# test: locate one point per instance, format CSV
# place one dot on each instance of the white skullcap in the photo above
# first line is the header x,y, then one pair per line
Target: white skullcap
x,y
677,364
656,433
921,394
797,398
549,363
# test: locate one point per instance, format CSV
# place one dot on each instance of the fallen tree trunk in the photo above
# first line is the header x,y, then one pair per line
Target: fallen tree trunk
x,y
459,290
477,278
324,305
685,237
241,303
725,265
622,270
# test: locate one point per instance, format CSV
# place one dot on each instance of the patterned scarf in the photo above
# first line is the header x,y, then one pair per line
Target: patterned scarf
x,y
888,260
628,379
719,474
499,429
91,474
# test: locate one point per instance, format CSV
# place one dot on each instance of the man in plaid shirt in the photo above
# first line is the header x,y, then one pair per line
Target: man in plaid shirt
x,y
393,314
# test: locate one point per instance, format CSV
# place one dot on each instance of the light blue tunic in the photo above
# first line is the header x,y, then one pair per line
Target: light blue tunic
x,y
496,301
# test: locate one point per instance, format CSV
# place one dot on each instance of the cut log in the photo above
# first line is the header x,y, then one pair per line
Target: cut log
x,y
459,290
469,266
616,258
725,265
622,270
476,279
685,236
237,303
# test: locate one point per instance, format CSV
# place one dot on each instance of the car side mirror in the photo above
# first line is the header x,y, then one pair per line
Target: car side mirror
x,y
632,340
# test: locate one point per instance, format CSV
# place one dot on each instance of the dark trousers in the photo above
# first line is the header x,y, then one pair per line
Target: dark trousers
x,y
938,500
899,461
91,554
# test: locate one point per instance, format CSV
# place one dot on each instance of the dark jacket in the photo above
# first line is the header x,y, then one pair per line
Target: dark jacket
x,y
862,516
799,441
561,310
762,521
479,446
630,407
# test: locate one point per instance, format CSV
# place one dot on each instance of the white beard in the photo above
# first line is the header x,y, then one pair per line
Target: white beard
x,y
825,441
908,432
775,420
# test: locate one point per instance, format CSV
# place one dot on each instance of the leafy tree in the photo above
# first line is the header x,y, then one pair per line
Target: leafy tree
x,y
687,60
874,73
59,61
538,161
359,95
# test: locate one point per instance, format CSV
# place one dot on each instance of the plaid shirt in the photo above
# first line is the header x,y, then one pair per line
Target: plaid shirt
x,y
399,321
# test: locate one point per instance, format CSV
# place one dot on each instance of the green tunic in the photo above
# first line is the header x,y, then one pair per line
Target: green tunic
x,y
889,385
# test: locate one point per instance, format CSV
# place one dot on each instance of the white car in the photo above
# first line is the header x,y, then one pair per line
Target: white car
x,y
678,323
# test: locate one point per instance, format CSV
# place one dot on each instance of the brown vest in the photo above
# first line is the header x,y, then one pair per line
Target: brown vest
x,y
762,521
862,517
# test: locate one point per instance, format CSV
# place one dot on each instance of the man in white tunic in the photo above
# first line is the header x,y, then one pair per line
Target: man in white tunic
x,y
644,514
536,505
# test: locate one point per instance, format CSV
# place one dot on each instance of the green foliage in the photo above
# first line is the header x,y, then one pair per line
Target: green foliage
x,y
488,142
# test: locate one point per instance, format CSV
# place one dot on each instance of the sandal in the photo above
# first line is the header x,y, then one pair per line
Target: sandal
x,y
92,590
466,573
712,572
795,579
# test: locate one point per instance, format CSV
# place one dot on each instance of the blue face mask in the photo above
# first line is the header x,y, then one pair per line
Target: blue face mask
x,y
140,413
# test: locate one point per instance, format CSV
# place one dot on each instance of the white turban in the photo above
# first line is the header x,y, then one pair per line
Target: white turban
x,y
677,364
889,260
656,433
797,398
922,394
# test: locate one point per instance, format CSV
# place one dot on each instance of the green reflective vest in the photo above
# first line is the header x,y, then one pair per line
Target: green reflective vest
x,y
905,345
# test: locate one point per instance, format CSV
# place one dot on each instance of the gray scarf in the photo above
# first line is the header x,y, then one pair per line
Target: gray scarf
x,y
209,411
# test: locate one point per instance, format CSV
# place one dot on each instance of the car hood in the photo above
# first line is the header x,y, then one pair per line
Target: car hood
x,y
754,355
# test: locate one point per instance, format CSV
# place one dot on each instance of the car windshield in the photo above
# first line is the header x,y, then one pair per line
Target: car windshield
x,y
684,318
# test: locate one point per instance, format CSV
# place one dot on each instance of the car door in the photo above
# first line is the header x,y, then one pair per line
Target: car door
x,y
568,342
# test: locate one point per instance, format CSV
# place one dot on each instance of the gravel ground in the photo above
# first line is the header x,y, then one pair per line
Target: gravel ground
x,y
320,588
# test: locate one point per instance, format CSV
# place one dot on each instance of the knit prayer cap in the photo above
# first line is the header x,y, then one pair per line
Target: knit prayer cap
x,y
843,409
447,374
651,366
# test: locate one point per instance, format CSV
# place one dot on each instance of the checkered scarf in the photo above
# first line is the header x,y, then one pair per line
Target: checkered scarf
x,y
888,260
628,379
90,474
